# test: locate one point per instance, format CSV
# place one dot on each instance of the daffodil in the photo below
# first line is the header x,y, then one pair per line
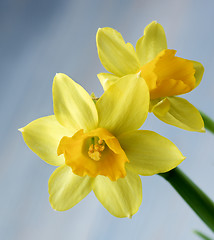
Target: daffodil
x,y
165,74
97,145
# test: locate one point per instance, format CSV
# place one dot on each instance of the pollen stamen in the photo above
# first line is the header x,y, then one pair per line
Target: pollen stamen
x,y
96,147
94,151
95,155
91,148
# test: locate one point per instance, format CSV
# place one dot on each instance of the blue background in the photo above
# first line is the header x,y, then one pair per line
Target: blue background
x,y
40,38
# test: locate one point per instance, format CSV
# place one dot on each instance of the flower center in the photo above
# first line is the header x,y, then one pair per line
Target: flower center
x,y
95,149
94,153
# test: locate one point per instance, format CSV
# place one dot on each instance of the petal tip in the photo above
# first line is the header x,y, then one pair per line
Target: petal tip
x,y
180,160
53,206
99,30
58,74
203,130
21,130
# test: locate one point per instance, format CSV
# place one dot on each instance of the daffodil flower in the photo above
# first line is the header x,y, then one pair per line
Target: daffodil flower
x,y
165,74
97,145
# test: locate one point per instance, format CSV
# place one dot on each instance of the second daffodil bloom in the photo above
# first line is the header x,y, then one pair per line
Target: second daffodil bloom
x,y
97,145
165,74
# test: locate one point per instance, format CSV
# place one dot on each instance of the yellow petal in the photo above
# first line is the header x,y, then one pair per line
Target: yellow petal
x,y
164,102
124,106
43,136
121,198
73,106
167,75
199,71
107,79
116,56
181,114
149,153
152,43
67,189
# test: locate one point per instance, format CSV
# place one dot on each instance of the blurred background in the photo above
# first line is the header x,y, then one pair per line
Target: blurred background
x,y
43,37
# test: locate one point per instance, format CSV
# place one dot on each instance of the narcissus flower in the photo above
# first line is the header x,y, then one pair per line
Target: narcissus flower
x,y
97,145
165,74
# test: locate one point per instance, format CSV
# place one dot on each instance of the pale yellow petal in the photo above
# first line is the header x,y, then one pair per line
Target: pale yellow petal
x,y
199,71
122,198
107,79
73,106
43,136
124,106
149,153
116,56
152,43
181,114
164,102
67,189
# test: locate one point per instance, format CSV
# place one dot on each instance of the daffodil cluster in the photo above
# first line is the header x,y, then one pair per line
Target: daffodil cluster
x,y
96,144
165,74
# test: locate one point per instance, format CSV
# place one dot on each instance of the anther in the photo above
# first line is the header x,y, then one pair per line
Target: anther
x,y
96,147
95,155
94,150
101,148
91,148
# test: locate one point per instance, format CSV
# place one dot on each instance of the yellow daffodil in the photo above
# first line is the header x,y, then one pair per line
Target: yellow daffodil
x,y
97,145
165,74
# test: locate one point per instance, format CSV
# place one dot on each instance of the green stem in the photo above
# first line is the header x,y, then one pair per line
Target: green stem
x,y
203,236
208,122
192,194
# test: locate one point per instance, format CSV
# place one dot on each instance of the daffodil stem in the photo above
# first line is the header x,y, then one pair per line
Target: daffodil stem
x,y
208,122
203,236
192,194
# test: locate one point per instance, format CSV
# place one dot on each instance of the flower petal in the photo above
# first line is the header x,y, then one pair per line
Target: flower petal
x,y
107,79
152,43
122,198
67,189
116,56
73,106
199,71
149,153
43,136
124,106
165,105
181,114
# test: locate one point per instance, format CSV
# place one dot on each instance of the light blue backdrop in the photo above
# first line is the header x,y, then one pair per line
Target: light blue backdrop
x,y
40,38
